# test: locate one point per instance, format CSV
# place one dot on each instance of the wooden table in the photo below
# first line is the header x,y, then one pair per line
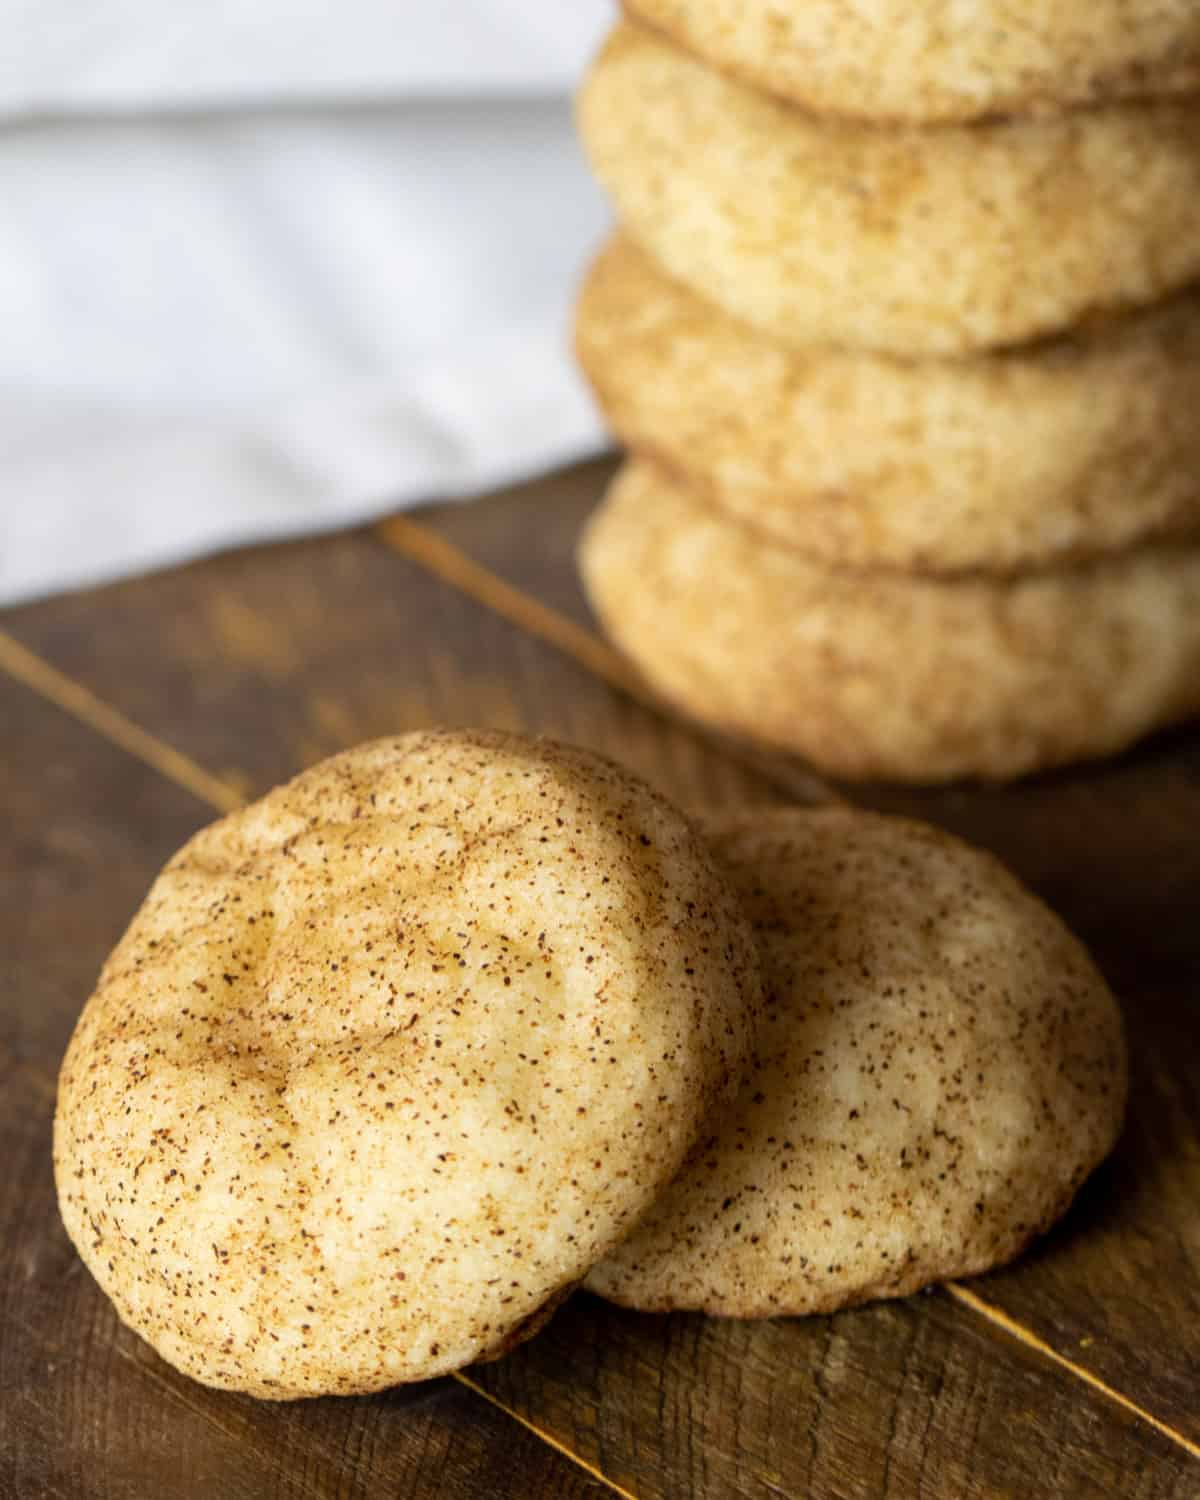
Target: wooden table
x,y
130,714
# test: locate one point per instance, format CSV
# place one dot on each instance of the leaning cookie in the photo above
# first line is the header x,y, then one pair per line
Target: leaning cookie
x,y
907,241
940,1069
886,674
386,1061
1068,450
939,60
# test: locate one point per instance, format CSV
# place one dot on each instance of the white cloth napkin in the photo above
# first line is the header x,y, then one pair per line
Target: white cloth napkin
x,y
274,268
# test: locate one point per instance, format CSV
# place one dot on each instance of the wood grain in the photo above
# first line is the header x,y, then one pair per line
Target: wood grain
x,y
537,588
550,513
256,664
900,1400
1115,847
264,661
527,533
86,1409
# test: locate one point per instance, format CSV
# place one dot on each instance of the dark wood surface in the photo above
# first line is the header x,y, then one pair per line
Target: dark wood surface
x,y
128,714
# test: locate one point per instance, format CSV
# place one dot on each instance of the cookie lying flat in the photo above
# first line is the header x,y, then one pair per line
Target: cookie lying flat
x,y
1064,451
387,1060
892,60
908,241
940,1068
886,674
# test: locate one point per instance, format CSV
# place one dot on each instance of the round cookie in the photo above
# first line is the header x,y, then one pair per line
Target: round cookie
x,y
387,1060
908,241
886,674
892,60
1071,449
940,1068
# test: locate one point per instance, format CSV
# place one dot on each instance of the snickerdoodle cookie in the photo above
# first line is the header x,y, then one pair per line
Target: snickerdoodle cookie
x,y
388,1059
941,60
905,240
888,674
1073,448
940,1068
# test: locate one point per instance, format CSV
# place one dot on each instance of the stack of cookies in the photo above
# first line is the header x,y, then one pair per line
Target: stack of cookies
x,y
901,326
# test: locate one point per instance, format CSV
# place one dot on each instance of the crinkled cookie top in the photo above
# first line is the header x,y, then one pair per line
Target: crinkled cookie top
x,y
939,1069
388,1059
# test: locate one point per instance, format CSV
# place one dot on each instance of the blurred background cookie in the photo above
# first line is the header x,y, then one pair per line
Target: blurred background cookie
x,y
1069,449
389,1058
940,1069
892,60
911,241
887,674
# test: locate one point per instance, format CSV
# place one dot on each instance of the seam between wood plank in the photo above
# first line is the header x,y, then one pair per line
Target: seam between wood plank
x,y
450,565
45,1084
546,1437
63,691
1000,1319
112,725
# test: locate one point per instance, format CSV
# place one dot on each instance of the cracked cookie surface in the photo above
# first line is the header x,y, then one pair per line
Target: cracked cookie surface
x,y
389,1058
903,240
941,61
940,1068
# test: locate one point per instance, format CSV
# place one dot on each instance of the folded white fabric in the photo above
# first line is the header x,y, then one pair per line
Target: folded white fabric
x,y
224,324
60,56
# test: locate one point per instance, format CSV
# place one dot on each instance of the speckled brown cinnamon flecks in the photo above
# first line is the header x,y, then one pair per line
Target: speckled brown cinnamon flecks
x,y
891,60
388,1059
940,1068
892,674
1068,450
904,240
